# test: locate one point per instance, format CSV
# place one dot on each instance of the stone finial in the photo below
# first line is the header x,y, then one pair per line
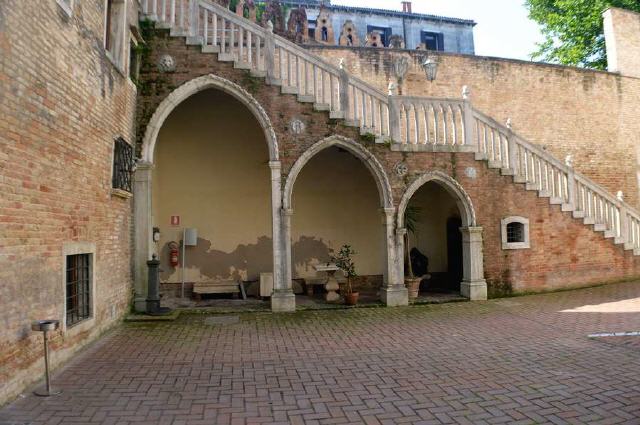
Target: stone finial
x,y
269,26
342,65
620,196
509,124
466,92
568,160
392,89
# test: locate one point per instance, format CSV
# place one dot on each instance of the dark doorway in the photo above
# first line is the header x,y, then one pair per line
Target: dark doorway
x,y
454,253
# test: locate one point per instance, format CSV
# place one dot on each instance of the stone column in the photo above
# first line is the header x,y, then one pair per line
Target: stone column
x,y
473,285
142,231
400,257
283,299
393,292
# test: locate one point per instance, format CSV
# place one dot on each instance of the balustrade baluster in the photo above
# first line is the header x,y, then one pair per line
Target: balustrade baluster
x,y
206,27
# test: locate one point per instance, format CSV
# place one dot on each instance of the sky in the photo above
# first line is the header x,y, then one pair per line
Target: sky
x,y
503,28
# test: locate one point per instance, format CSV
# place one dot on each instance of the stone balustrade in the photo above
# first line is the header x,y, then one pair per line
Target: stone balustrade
x,y
408,123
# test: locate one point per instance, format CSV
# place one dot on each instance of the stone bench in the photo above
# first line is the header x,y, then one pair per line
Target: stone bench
x,y
219,287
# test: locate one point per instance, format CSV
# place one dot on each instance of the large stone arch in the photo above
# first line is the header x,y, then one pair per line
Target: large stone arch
x,y
393,293
450,185
143,177
369,160
194,86
473,285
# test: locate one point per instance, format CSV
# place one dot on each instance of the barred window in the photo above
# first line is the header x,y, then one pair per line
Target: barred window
x,y
515,232
122,165
78,288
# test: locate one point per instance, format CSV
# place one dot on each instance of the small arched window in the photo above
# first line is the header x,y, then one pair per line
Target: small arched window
x,y
515,233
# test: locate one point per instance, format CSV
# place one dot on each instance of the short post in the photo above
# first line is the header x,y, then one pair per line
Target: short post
x,y
468,117
571,183
270,52
623,219
193,18
394,114
513,150
344,89
153,289
45,326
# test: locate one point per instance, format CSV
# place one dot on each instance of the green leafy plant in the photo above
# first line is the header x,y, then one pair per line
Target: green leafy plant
x,y
345,262
411,218
573,30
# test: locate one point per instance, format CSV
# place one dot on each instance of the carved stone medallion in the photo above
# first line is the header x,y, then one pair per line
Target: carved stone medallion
x,y
166,63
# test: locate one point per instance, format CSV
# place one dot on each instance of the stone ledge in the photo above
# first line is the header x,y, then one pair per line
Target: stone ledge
x,y
121,194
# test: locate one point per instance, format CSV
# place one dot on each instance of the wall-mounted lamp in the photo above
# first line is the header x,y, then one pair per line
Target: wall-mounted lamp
x,y
156,234
430,67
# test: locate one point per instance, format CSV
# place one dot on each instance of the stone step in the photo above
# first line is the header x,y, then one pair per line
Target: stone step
x,y
519,179
507,172
226,57
256,73
194,41
589,220
325,107
628,246
556,201
242,65
636,251
542,193
336,115
210,48
532,186
567,207
273,81
608,234
288,90
480,156
306,98
578,214
599,227
495,164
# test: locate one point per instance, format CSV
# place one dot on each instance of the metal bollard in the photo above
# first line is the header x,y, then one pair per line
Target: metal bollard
x,y
46,326
153,289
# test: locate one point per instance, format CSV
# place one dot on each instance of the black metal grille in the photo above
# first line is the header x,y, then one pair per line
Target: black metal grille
x,y
122,165
78,288
515,232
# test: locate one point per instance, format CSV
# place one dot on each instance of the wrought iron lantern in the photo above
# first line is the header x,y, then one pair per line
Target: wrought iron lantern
x,y
430,67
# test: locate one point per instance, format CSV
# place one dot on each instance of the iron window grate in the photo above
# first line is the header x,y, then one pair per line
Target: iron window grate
x,y
122,165
78,289
515,232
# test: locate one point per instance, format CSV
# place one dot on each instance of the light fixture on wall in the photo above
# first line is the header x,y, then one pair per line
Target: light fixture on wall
x,y
430,67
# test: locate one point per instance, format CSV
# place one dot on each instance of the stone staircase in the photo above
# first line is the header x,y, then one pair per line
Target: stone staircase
x,y
409,124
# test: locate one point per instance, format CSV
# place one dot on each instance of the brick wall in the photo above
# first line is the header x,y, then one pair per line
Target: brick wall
x,y
622,34
62,103
590,115
563,253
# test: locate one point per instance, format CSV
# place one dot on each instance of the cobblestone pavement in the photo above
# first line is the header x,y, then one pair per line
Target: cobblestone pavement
x,y
517,360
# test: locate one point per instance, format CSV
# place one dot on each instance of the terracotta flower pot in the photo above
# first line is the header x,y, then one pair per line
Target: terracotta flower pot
x,y
352,298
413,286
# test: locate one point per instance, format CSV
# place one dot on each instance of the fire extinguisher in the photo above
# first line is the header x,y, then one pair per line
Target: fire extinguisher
x,y
173,253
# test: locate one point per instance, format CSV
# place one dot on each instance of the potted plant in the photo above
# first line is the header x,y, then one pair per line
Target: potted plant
x,y
411,216
344,262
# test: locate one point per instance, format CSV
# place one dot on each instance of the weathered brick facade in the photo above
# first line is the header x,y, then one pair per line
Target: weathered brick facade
x,y
62,103
583,113
564,252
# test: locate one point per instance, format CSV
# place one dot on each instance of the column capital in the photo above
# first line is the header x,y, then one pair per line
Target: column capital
x,y
275,165
287,212
144,165
401,231
471,229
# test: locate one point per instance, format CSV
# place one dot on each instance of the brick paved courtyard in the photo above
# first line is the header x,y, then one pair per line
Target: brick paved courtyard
x,y
516,360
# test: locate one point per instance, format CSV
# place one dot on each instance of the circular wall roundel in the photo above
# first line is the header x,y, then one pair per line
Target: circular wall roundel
x,y
166,63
